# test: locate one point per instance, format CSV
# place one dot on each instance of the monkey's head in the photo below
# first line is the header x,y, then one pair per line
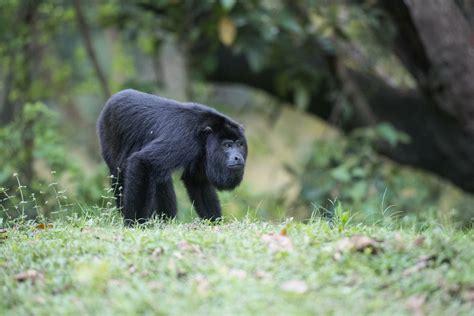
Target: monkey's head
x,y
226,154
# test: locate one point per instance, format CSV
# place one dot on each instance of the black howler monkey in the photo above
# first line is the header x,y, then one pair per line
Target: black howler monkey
x,y
144,138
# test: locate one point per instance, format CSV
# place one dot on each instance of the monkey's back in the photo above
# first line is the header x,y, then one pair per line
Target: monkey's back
x,y
131,119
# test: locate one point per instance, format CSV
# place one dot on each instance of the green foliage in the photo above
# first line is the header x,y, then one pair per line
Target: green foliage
x,y
27,49
257,30
40,125
35,153
350,171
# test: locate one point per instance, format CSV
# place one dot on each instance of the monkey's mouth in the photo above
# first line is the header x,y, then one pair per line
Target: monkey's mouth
x,y
236,166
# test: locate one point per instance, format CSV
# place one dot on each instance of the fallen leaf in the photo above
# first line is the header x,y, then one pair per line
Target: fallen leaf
x,y
178,255
185,246
415,304
39,299
357,243
419,241
44,226
263,275
278,242
202,284
238,273
132,269
115,283
469,295
295,286
88,230
398,237
422,263
144,274
32,275
155,285
157,252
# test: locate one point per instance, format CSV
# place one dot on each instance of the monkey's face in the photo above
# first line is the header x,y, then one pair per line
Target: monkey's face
x,y
225,161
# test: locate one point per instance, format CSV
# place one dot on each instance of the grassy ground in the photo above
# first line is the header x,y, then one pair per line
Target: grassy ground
x,y
95,266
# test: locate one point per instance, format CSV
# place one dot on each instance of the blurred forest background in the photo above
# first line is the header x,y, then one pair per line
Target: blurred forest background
x,y
360,106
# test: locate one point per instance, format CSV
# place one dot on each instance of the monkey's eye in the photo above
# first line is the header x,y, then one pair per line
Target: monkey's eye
x,y
227,145
239,143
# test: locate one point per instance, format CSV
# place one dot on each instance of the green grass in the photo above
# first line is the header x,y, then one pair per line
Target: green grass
x,y
90,265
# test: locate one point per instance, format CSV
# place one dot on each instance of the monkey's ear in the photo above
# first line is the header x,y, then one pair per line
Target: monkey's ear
x,y
205,131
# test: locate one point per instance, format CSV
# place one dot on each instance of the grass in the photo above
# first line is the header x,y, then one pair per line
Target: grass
x,y
94,266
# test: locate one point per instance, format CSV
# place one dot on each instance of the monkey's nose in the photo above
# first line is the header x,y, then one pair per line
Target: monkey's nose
x,y
236,161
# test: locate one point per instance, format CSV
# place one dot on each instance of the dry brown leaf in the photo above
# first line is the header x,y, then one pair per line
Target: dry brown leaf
x,y
132,269
238,273
357,243
185,246
155,285
278,242
144,274
44,226
32,275
398,237
115,283
422,263
469,295
263,275
419,241
178,255
202,284
88,230
295,286
415,304
39,299
157,252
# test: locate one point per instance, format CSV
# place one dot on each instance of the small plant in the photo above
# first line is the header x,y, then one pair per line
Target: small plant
x,y
35,160
20,204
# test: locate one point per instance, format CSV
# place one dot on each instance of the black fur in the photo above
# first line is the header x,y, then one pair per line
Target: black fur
x,y
144,138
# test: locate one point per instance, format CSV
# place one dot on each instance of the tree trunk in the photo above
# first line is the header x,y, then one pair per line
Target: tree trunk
x,y
86,37
435,42
23,63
